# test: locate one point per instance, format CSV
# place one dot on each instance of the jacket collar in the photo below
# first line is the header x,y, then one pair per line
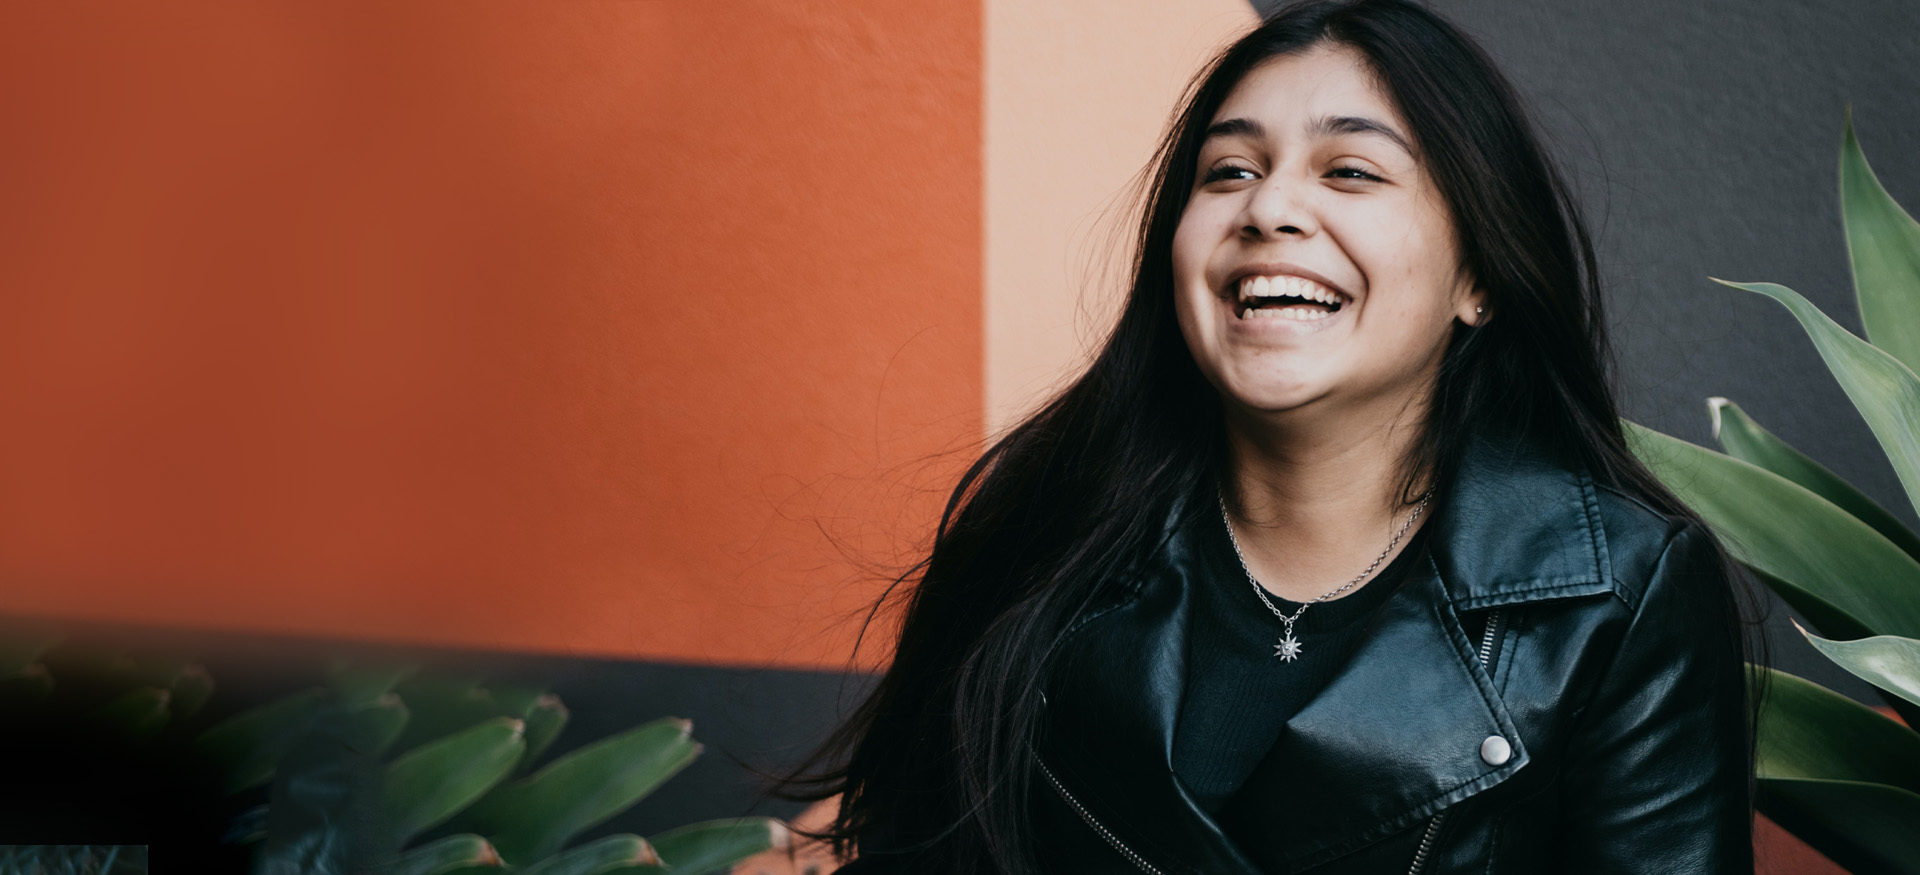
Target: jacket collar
x,y
1398,728
1518,526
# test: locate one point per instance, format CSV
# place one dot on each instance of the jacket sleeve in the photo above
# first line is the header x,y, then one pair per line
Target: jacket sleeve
x,y
1657,765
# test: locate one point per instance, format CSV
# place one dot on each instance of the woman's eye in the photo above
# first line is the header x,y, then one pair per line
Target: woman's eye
x,y
1352,173
1224,171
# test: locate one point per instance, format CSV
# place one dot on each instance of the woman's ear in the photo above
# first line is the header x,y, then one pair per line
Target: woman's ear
x,y
1474,311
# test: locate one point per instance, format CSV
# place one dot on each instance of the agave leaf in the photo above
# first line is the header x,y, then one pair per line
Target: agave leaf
x,y
355,684
534,817
1861,825
431,783
1883,245
26,686
23,646
1745,440
1809,731
190,689
544,721
715,845
1885,391
613,853
140,713
1789,534
1889,662
372,727
246,747
442,705
449,854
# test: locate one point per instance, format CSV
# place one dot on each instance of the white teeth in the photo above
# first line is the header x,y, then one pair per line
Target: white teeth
x,y
1297,314
1268,287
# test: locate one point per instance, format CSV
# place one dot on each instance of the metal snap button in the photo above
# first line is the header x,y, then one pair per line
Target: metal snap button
x,y
1495,750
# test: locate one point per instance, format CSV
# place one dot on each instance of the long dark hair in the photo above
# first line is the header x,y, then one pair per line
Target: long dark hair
x,y
935,766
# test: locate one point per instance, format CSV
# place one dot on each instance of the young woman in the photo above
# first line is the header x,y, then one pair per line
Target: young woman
x,y
1334,560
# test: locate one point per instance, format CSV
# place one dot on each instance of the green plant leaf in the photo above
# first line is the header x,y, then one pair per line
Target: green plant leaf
x,y
1860,825
1889,662
190,688
431,783
544,721
449,854
534,817
139,713
374,726
1809,731
246,747
715,845
27,686
22,645
354,683
1790,535
1745,440
442,705
1883,244
1885,391
600,856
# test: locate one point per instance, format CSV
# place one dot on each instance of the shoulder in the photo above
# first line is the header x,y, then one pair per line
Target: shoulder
x,y
1647,548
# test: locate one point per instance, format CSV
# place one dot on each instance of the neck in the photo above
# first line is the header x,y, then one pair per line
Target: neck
x,y
1313,503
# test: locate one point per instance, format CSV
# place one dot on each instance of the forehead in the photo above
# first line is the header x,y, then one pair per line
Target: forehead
x,y
1292,92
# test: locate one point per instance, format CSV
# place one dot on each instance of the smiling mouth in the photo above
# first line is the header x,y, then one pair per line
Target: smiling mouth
x,y
1285,297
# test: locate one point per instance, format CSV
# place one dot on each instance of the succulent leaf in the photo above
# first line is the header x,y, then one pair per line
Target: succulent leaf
x,y
715,845
532,818
600,856
1889,662
1745,440
1883,245
431,783
1885,391
1789,534
450,854
246,747
1861,825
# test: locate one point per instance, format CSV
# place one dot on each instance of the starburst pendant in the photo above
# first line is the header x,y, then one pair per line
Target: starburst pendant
x,y
1288,649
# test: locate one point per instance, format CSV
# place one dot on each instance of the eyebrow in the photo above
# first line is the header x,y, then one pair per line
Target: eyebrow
x,y
1324,126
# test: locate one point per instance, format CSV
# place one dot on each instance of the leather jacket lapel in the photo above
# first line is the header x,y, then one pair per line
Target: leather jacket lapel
x,y
1113,713
1393,738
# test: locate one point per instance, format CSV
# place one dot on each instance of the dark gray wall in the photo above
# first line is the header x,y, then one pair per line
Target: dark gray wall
x,y
1704,140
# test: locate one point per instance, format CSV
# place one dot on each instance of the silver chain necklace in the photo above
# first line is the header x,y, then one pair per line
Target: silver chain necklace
x,y
1288,648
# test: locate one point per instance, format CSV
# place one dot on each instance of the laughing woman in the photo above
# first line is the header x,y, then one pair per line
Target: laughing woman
x,y
1335,559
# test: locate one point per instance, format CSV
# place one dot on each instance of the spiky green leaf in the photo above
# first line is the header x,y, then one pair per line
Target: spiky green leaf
x,y
599,856
1883,245
1885,391
246,747
715,845
532,818
1789,534
431,783
1889,662
1745,440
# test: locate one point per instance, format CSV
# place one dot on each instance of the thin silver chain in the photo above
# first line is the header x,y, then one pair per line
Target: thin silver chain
x,y
1289,647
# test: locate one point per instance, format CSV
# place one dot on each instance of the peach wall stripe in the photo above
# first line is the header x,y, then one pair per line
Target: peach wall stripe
x,y
1077,93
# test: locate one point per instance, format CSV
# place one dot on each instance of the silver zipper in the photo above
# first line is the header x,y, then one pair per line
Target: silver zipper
x,y
1138,861
1433,826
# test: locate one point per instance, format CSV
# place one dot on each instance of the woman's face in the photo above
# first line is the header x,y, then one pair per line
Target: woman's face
x,y
1315,266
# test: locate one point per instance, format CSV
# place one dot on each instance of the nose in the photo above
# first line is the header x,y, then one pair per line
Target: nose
x,y
1276,206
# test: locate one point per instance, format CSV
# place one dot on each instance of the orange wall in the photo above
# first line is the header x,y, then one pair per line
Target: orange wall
x,y
598,328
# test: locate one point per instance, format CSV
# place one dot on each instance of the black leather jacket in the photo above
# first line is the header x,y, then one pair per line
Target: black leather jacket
x,y
1554,691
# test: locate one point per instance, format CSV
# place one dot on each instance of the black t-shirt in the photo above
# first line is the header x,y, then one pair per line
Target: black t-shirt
x,y
1239,693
